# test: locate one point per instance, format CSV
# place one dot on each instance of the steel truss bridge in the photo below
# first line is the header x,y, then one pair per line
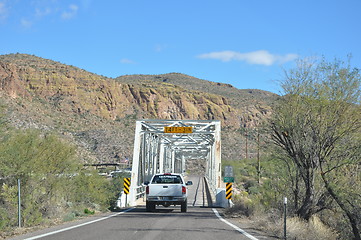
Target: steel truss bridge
x,y
167,145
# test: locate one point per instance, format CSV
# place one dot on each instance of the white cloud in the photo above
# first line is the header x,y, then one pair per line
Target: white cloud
x,y
160,47
42,12
127,61
38,10
261,57
71,12
26,23
3,11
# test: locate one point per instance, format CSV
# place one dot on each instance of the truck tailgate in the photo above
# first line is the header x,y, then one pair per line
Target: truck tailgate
x,y
165,190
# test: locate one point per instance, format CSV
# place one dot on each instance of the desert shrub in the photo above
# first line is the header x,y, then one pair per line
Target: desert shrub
x,y
8,206
242,206
303,230
52,180
69,217
336,220
297,229
87,211
263,203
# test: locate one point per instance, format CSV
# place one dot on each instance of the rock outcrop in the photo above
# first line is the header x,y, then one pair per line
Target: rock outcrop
x,y
57,96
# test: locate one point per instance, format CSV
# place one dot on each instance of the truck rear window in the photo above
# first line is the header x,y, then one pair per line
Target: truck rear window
x,y
167,179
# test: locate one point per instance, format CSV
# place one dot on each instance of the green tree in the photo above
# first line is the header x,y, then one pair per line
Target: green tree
x,y
42,163
317,123
53,181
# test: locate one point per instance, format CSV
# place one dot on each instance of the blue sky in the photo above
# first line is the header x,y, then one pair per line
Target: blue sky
x,y
248,44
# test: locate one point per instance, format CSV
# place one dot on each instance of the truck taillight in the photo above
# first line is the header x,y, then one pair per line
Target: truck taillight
x,y
147,190
184,190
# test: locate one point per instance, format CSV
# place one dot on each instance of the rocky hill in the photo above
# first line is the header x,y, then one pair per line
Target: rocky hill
x,y
99,113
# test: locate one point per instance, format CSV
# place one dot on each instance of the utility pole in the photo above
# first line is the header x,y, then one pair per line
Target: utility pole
x,y
19,204
258,159
246,143
285,218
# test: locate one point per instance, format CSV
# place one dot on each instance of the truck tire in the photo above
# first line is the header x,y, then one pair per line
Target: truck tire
x,y
184,206
150,206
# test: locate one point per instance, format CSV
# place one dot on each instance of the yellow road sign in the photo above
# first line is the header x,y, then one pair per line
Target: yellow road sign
x,y
178,129
126,185
229,191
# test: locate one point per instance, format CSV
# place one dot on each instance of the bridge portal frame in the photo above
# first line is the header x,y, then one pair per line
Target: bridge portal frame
x,y
156,151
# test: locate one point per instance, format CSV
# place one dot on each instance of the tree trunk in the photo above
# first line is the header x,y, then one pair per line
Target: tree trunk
x,y
308,205
306,210
297,190
351,217
355,230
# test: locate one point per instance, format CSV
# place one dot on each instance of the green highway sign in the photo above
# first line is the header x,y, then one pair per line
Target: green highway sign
x,y
228,179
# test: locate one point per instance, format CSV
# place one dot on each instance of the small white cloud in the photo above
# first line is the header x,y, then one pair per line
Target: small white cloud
x,y
261,57
42,12
160,47
3,11
71,12
26,23
74,7
127,61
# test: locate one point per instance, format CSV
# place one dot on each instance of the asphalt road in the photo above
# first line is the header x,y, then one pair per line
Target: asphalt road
x,y
199,222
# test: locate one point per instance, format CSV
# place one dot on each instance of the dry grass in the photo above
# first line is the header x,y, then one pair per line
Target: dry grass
x,y
297,229
272,221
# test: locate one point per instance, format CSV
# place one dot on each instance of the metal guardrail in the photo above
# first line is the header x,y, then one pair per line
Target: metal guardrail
x,y
140,192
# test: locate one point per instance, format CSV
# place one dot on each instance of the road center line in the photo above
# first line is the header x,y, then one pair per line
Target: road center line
x,y
76,226
234,226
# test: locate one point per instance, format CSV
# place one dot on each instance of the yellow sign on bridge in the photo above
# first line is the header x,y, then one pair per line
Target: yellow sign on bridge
x,y
178,129
126,185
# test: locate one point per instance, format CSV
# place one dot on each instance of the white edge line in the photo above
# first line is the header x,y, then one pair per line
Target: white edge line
x,y
76,226
234,226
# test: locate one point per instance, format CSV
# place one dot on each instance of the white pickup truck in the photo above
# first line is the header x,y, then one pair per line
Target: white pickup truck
x,y
166,189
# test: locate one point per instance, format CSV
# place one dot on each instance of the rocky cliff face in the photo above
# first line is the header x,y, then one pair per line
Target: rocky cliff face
x,y
10,81
54,94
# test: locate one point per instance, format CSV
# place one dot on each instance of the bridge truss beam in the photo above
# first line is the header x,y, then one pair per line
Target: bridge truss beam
x,y
156,151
